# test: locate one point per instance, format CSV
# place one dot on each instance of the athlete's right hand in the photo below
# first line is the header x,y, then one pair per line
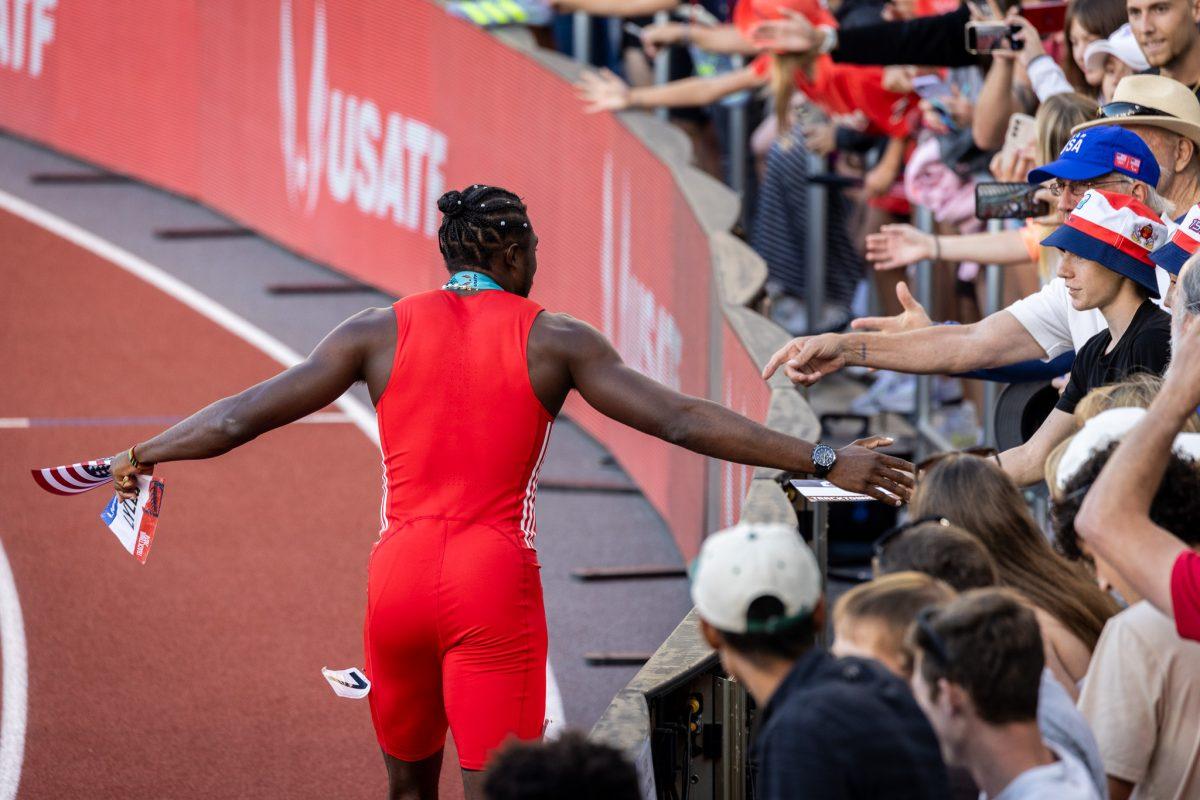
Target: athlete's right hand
x,y
807,359
860,469
910,319
602,91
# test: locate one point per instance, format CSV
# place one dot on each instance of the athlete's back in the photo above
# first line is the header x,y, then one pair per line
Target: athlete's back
x,y
462,432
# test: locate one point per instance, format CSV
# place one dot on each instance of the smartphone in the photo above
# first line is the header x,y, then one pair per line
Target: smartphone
x,y
1008,201
1048,18
636,31
944,114
988,37
928,87
1022,132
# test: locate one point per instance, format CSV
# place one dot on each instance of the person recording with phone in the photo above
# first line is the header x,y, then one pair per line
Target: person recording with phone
x,y
1084,293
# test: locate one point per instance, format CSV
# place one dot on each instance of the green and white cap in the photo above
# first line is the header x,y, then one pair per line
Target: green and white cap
x,y
739,565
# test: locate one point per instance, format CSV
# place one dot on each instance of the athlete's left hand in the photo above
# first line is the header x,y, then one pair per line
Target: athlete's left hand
x,y
125,475
861,469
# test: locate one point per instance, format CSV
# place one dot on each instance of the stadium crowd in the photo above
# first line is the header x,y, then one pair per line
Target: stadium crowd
x,y
992,655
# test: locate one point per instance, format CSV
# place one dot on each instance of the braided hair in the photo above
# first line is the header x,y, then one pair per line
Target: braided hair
x,y
479,222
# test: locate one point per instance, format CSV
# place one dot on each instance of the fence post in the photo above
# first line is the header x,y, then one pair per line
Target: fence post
x,y
814,251
994,277
581,37
662,64
737,139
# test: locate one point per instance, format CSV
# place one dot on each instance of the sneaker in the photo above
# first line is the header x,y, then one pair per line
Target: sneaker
x,y
892,391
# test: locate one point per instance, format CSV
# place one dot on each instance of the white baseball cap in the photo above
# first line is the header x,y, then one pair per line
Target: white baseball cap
x,y
1120,44
739,565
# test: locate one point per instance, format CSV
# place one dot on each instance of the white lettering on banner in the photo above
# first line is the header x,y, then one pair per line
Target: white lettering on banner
x,y
391,165
644,332
26,28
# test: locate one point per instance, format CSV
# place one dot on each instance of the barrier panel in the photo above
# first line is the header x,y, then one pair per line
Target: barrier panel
x,y
332,128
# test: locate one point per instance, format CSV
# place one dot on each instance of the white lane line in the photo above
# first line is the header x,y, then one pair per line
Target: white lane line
x,y
319,418
358,413
15,693
14,422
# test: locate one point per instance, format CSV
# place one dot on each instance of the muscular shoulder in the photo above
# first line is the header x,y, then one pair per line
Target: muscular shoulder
x,y
566,335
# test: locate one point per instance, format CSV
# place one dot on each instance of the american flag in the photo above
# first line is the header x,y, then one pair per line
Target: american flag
x,y
74,478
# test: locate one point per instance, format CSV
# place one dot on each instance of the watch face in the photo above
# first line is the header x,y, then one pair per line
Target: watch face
x,y
824,455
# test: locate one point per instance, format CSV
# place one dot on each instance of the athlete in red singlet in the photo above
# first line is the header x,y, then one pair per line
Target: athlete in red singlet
x,y
467,381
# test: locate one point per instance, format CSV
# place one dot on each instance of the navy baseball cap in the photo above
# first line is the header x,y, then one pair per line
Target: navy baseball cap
x,y
1094,152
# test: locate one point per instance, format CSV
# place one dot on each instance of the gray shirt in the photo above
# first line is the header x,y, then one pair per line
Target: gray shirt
x,y
1065,779
1064,726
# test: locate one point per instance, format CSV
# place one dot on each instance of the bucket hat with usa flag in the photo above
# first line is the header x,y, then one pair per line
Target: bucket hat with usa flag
x,y
1116,231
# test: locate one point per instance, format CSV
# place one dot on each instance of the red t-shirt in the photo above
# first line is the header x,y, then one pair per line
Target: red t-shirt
x,y
1185,594
846,88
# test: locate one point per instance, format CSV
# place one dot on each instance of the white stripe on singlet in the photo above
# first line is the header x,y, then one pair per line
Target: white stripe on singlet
x,y
528,515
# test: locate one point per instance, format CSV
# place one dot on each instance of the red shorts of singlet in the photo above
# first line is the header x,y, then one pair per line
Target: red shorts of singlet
x,y
455,637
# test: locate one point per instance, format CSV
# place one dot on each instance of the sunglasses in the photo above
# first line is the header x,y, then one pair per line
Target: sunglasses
x,y
978,452
929,640
1120,109
1057,187
891,533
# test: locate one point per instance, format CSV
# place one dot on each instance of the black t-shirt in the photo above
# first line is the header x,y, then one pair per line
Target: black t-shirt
x,y
1144,347
845,728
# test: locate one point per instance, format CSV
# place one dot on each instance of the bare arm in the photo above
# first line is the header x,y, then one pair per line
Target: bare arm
x,y
901,244
602,90
702,426
1026,464
1115,517
994,105
615,8
713,39
994,341
332,368
694,91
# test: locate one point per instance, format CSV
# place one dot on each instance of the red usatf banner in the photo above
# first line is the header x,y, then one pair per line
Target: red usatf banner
x,y
333,127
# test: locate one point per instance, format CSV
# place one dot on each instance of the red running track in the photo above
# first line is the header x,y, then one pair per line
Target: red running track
x,y
198,674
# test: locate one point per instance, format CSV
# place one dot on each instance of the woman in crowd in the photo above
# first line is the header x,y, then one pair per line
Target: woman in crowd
x,y
975,494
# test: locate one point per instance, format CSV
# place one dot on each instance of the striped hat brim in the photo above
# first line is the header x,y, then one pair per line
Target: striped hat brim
x,y
1076,241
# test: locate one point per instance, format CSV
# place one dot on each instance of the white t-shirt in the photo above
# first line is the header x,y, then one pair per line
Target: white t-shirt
x,y
1142,698
1053,323
1065,779
1056,326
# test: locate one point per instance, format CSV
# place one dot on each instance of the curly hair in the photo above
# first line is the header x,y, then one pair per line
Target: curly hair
x,y
570,766
1176,505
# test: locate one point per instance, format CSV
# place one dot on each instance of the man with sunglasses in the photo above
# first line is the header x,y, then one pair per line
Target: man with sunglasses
x,y
1165,114
976,675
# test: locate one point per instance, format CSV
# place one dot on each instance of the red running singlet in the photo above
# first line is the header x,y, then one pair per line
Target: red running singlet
x,y
455,630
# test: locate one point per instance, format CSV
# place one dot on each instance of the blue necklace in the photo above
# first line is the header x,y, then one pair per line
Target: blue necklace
x,y
472,281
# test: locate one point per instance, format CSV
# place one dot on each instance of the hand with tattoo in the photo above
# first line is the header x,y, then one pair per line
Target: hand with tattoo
x,y
807,359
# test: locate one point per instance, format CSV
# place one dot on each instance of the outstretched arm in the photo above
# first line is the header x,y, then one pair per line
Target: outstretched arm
x,y
1026,463
994,341
624,394
1115,517
604,91
332,368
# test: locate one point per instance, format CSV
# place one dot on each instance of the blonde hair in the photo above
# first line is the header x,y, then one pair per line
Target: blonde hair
x,y
893,601
1055,118
783,86
1134,391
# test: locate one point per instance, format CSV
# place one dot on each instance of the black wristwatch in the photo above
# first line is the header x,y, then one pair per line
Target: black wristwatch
x,y
823,458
